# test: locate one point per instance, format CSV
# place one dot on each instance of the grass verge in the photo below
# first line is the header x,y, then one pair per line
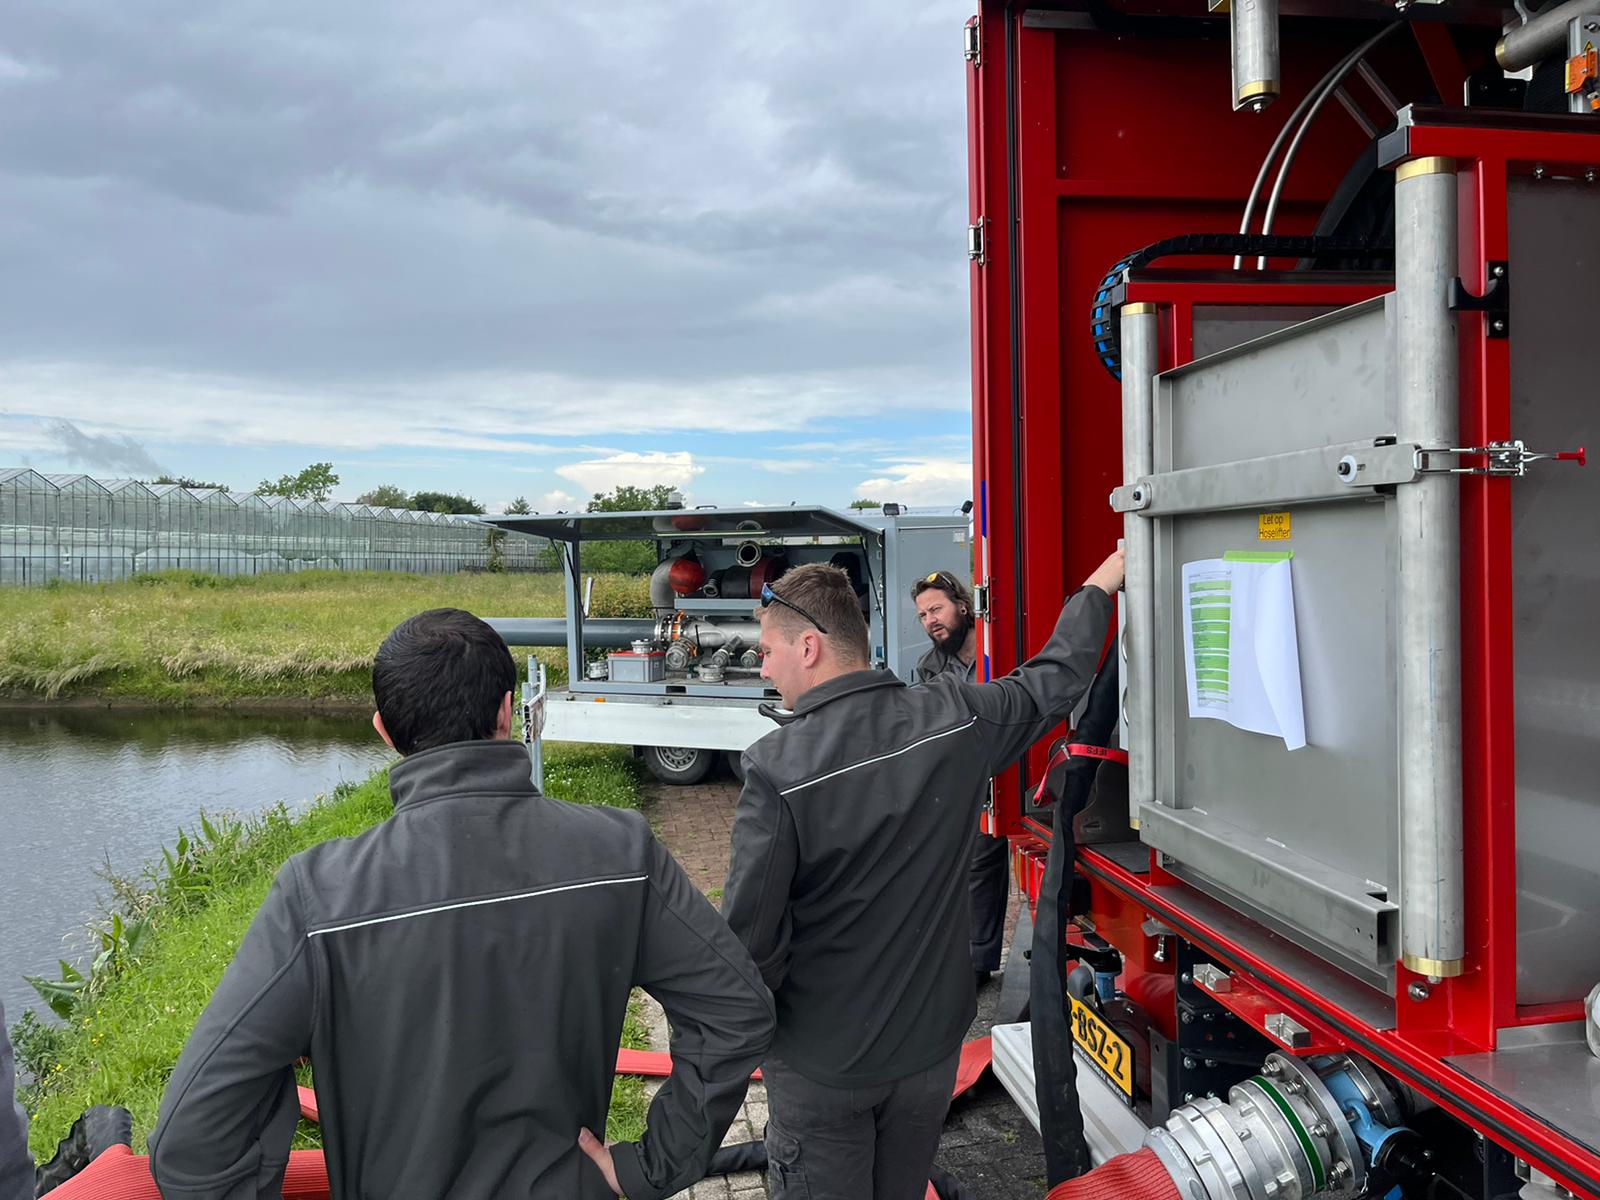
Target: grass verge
x,y
181,637
176,929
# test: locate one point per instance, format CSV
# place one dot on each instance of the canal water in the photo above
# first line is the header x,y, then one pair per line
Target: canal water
x,y
79,788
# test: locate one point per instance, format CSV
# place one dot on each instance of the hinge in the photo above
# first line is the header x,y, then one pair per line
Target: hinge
x,y
970,44
980,600
975,242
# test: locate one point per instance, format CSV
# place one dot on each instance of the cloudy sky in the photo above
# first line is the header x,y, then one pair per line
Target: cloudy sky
x,y
506,249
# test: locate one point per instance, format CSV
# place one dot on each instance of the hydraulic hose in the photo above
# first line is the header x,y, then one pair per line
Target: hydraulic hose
x,y
1105,326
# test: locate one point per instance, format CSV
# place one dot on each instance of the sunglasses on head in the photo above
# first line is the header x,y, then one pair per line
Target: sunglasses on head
x,y
768,596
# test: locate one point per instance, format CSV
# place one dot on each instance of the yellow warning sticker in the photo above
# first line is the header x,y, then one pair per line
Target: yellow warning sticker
x,y
1274,527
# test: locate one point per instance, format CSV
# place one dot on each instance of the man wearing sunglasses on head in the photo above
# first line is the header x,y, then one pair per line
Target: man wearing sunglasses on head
x,y
847,879
944,609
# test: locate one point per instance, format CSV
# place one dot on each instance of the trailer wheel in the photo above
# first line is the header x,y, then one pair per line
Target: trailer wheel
x,y
735,761
679,764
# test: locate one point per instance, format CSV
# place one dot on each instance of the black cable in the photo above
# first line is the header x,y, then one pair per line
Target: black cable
x,y
1104,323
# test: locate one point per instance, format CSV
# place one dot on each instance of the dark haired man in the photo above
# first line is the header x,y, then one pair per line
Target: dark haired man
x,y
857,816
944,608
459,975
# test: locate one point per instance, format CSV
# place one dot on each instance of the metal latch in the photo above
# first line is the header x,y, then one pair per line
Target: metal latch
x,y
980,600
975,241
1506,459
970,44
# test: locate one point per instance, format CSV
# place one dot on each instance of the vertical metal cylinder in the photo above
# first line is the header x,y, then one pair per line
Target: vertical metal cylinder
x,y
1254,27
1140,362
1429,592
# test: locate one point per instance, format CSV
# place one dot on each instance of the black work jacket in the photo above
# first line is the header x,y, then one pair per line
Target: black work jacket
x,y
851,843
459,976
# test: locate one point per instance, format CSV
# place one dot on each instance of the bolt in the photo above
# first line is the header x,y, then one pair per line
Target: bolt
x,y
1419,991
1538,171
1321,1129
1590,175
1186,1017
1498,270
1341,1170
1210,1016
1294,1087
1188,1063
1211,1062
1273,1066
1185,978
1188,1096
1499,325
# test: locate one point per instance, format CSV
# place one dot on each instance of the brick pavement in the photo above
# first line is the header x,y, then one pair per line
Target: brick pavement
x,y
988,1144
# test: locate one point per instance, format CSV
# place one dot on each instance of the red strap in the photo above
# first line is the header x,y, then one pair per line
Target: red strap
x,y
1108,753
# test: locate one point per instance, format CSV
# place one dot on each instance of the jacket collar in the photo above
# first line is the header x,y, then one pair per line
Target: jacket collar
x,y
461,768
840,685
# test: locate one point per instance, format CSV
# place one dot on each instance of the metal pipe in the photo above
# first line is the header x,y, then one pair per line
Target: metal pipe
x,y
1254,28
1543,36
1140,362
598,632
1355,111
1427,516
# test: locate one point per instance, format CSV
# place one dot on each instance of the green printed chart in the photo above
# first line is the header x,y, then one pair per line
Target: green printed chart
x,y
1240,643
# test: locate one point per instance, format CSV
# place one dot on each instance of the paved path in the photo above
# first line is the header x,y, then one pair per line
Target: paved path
x,y
988,1144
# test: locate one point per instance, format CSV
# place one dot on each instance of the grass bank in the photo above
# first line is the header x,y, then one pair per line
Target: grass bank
x,y
176,927
184,638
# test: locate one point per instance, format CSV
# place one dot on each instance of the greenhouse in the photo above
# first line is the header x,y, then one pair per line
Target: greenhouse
x,y
78,529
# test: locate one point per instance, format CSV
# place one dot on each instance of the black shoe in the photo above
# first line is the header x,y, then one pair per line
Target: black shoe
x,y
981,977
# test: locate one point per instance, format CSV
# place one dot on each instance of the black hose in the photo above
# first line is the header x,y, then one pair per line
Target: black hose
x,y
1104,323
1055,1072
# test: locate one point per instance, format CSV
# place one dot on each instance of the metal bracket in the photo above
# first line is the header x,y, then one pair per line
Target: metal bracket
x,y
1495,303
1505,459
971,46
980,600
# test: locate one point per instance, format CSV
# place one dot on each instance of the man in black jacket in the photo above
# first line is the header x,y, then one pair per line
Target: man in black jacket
x,y
459,975
846,883
944,609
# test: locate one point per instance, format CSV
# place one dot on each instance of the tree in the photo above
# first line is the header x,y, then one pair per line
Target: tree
x,y
445,502
316,482
194,485
519,507
865,504
386,495
627,498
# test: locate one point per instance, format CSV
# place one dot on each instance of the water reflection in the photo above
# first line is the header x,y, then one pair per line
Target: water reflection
x,y
81,786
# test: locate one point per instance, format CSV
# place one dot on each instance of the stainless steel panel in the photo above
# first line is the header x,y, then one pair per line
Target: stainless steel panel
x,y
1219,327
1330,807
1553,1077
1555,263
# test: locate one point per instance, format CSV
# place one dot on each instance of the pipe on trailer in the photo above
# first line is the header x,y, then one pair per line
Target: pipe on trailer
x,y
1140,362
1543,36
611,633
1428,531
1256,77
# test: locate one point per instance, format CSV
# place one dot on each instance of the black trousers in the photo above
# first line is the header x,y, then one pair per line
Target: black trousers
x,y
988,884
873,1143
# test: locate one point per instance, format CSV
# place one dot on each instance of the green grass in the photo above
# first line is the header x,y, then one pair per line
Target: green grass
x,y
181,638
122,1043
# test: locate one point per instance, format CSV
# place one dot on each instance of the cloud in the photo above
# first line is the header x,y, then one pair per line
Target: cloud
x,y
927,481
676,469
556,501
112,453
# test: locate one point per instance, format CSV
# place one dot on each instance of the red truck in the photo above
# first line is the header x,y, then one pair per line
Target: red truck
x,y
1242,294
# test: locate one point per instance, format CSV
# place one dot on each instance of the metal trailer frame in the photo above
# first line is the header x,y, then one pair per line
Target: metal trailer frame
x,y
1032,73
898,547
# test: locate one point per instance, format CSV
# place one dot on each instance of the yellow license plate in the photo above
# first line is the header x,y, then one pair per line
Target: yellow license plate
x,y
1103,1046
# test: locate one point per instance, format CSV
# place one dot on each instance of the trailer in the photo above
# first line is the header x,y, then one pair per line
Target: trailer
x,y
683,687
1338,917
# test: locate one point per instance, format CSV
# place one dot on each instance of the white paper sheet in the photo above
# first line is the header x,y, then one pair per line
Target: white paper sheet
x,y
1241,654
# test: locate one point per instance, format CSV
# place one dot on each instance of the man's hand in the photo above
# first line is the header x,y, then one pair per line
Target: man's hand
x,y
1108,575
601,1154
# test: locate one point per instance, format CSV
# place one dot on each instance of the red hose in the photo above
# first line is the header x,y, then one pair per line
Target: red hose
x,y
1136,1176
